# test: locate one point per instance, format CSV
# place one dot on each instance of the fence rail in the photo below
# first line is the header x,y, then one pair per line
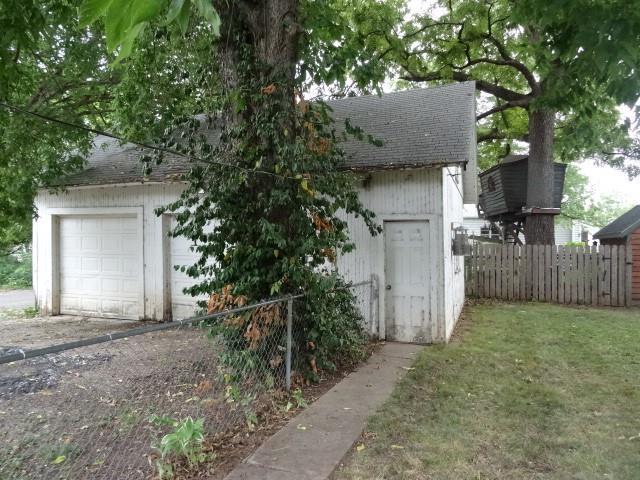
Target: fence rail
x,y
550,273
93,408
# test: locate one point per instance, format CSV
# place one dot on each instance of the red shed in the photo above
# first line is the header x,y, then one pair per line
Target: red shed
x,y
625,230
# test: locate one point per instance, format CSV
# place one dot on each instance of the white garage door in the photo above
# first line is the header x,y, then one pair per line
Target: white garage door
x,y
182,305
100,266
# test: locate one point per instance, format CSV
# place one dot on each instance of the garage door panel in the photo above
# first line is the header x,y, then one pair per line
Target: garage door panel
x,y
90,265
99,273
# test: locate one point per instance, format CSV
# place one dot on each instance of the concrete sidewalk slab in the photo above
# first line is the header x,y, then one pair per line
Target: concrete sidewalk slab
x,y
313,443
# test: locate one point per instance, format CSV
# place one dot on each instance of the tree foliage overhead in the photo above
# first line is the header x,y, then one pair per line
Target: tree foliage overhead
x,y
580,202
52,66
551,74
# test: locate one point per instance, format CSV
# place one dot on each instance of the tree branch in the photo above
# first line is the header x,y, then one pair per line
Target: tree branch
x,y
482,85
512,62
503,107
495,134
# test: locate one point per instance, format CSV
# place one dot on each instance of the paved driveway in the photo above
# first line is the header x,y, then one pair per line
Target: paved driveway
x,y
17,299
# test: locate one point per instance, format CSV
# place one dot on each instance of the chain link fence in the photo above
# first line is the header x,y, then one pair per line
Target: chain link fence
x,y
110,407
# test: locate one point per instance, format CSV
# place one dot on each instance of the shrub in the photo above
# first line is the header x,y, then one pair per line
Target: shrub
x,y
15,272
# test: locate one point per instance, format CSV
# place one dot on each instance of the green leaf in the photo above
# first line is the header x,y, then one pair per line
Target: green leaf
x,y
117,22
183,18
91,10
59,459
128,42
174,9
144,10
206,10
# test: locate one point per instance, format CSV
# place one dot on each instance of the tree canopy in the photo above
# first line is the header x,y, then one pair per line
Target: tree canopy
x,y
551,76
581,203
52,66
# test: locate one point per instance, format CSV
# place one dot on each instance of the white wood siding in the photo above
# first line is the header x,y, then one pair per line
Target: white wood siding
x,y
453,212
404,195
428,194
113,199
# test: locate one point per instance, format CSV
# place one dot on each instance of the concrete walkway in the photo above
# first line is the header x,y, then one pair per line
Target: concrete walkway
x,y
313,443
17,299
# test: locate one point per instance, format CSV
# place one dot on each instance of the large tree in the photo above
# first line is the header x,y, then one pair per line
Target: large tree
x,y
551,74
264,189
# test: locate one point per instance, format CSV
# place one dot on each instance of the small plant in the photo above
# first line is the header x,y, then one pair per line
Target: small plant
x,y
184,442
299,398
30,312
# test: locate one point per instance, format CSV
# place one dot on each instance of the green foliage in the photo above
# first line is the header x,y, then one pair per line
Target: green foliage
x,y
299,398
15,271
53,66
576,58
183,443
580,202
126,20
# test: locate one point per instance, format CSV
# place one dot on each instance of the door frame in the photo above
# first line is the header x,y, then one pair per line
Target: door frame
x,y
54,215
380,261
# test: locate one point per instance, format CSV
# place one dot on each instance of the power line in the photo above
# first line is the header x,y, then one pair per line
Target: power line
x,y
95,131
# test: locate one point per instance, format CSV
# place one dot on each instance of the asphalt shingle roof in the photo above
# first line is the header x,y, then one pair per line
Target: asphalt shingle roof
x,y
621,227
419,127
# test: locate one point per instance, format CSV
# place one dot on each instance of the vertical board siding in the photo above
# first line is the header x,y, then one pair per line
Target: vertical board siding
x,y
633,260
452,216
551,273
401,195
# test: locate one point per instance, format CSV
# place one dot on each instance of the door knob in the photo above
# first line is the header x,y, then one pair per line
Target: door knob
x,y
388,287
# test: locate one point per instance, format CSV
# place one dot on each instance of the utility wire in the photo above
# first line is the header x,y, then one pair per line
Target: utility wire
x,y
95,131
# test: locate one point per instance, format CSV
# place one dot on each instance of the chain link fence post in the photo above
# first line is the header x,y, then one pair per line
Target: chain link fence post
x,y
289,341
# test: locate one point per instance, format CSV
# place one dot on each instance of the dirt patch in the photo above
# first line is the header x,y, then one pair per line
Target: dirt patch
x,y
85,413
46,371
29,333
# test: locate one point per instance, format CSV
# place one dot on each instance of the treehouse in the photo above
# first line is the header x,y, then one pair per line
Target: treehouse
x,y
503,197
504,189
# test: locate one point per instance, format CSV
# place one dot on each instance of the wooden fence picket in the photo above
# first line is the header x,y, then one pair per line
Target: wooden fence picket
x,y
561,274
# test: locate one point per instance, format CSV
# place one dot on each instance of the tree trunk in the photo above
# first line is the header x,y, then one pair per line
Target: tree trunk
x,y
539,228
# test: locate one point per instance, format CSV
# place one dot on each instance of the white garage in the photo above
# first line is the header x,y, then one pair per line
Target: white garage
x,y
101,249
100,269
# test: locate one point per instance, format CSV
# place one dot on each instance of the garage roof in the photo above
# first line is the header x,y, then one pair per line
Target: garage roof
x,y
418,128
623,226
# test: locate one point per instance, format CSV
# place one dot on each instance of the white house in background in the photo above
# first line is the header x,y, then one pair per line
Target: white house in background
x,y
567,230
101,251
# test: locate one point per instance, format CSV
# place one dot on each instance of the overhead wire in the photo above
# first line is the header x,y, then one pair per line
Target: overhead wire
x,y
149,146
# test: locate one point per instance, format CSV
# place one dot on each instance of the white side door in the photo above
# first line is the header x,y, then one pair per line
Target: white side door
x,y
99,258
407,281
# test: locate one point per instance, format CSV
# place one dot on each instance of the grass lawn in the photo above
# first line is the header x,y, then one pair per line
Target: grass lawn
x,y
524,391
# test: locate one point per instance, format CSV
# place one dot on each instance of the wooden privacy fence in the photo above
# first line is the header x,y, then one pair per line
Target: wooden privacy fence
x,y
550,273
